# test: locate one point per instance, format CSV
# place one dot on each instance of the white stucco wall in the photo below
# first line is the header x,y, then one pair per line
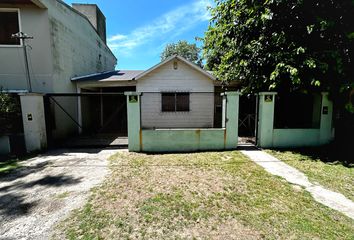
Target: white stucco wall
x,y
34,22
184,79
65,45
77,50
33,116
76,47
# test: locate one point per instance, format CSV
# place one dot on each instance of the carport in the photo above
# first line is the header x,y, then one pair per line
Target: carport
x,y
101,117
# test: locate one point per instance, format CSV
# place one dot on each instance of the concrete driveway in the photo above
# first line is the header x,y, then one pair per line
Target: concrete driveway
x,y
36,197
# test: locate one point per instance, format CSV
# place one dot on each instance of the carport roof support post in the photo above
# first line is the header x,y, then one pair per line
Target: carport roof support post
x,y
134,122
32,106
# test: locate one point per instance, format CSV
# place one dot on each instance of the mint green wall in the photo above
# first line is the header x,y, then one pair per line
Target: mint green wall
x,y
134,125
183,140
295,137
316,114
270,137
326,120
266,120
231,121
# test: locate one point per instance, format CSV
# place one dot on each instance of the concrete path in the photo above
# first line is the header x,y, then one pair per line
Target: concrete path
x,y
322,195
33,199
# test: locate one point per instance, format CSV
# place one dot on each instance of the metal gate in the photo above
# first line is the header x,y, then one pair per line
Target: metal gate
x,y
248,119
87,119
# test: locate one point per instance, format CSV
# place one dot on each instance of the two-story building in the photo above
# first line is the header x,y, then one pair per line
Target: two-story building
x,y
68,41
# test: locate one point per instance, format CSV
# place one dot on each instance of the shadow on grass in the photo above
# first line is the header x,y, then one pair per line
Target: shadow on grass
x,y
333,153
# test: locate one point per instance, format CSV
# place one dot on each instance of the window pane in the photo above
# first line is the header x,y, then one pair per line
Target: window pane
x,y
182,102
8,26
168,102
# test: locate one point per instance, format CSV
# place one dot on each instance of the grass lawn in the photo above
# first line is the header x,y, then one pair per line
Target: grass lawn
x,y
215,195
8,165
332,175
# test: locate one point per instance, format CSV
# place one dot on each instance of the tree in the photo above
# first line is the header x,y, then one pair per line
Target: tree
x,y
8,104
189,51
283,45
10,113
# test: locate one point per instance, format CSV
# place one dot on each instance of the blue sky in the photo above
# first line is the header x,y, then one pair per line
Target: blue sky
x,y
138,30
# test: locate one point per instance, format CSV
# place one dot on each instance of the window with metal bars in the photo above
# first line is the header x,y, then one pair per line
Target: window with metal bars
x,y
175,102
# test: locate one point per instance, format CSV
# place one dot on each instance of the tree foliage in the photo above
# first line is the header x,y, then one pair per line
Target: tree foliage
x,y
10,113
8,104
283,45
189,51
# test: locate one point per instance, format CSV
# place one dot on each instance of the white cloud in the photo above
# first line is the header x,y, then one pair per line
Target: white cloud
x,y
117,37
172,23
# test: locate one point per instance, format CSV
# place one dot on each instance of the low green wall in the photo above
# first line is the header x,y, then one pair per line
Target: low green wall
x,y
285,138
268,137
183,140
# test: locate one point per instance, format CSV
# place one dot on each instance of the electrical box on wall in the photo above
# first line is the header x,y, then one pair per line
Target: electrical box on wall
x,y
29,117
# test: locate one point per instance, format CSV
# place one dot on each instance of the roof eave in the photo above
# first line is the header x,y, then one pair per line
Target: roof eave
x,y
39,3
89,75
179,58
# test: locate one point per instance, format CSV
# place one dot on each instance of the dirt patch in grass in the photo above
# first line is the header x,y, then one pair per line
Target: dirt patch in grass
x,y
332,175
200,196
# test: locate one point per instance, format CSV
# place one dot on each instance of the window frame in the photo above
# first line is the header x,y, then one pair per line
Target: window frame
x,y
17,10
175,102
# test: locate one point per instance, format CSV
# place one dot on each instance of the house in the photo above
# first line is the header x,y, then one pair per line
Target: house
x,y
175,93
179,102
68,41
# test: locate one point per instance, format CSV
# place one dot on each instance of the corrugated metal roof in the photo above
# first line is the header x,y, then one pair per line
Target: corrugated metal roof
x,y
120,75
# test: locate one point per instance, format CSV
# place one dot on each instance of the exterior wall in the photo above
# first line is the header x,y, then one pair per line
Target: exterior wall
x,y
316,114
95,16
65,45
326,125
184,79
266,120
34,22
295,137
183,140
77,50
290,138
134,127
34,127
76,47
